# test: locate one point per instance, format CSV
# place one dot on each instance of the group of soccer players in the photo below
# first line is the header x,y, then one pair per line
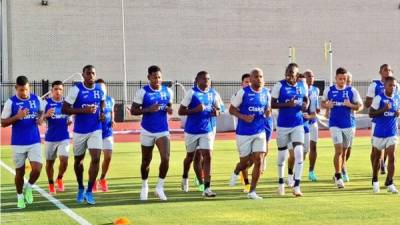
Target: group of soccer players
x,y
295,98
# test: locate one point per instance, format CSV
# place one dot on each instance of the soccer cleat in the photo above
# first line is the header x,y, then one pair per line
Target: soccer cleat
x,y
79,195
28,195
160,193
185,185
60,185
297,192
383,167
345,177
392,189
232,181
253,195
201,187
88,196
208,193
144,193
247,188
311,176
241,178
339,183
103,185
196,181
21,203
375,187
281,189
290,180
94,188
52,189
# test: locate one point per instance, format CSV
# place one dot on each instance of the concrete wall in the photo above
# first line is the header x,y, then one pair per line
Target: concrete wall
x,y
224,37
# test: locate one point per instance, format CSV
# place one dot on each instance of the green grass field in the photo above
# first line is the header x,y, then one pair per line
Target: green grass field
x,y
323,203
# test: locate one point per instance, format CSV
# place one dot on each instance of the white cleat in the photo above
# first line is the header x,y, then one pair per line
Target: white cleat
x,y
290,180
281,189
253,195
339,183
297,192
185,185
160,193
392,189
208,193
144,193
375,187
232,181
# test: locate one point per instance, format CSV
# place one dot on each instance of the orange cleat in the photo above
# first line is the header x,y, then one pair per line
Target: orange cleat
x,y
52,189
60,185
103,185
94,189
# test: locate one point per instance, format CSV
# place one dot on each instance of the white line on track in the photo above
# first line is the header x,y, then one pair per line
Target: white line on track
x,y
53,200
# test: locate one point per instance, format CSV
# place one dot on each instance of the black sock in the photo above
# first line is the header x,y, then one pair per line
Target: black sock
x,y
290,171
338,176
388,182
102,176
60,177
80,183
311,169
374,179
246,181
185,176
296,183
206,184
51,181
281,181
90,186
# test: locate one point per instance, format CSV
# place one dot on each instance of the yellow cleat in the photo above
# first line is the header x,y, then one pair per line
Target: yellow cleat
x,y
247,188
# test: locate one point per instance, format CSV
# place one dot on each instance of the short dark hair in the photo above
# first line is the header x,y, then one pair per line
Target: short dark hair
x,y
290,67
87,67
244,76
153,69
22,81
390,78
56,82
201,73
100,81
301,75
341,70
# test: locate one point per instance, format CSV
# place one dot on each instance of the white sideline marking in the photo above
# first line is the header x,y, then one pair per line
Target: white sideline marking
x,y
53,200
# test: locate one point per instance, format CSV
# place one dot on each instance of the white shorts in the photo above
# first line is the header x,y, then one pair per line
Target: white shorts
x,y
148,139
306,143
286,135
247,144
199,141
342,136
60,148
108,143
22,152
383,143
91,140
314,132
372,131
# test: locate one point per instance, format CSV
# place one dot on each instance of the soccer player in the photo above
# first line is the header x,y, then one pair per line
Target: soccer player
x,y
201,105
86,101
385,109
23,112
57,136
107,134
374,89
290,97
154,102
251,105
341,100
313,95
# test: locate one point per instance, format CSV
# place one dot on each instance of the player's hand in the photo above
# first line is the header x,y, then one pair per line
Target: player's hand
x,y
215,112
90,109
22,113
267,112
306,116
387,107
169,110
102,117
292,102
347,103
113,124
398,113
69,122
199,108
154,108
329,104
248,118
49,113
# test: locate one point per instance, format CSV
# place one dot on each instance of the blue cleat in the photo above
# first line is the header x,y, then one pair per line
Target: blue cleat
x,y
79,195
89,198
345,177
311,176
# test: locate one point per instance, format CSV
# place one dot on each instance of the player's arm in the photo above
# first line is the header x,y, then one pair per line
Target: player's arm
x,y
7,119
216,108
112,114
40,116
325,102
184,107
370,95
70,100
234,107
268,109
375,111
274,98
357,105
137,109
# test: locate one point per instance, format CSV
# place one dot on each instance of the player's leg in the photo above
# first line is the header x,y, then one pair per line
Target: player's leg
x,y
290,180
258,151
297,136
79,148
375,158
35,159
163,145
198,164
383,162
108,145
313,152
337,138
191,143
95,144
243,143
206,143
19,161
51,154
391,161
61,171
282,141
348,136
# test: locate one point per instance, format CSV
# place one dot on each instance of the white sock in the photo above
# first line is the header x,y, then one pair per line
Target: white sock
x,y
28,185
20,196
144,183
282,156
160,182
298,162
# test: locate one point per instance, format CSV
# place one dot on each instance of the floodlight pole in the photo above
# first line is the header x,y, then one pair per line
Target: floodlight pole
x,y
330,64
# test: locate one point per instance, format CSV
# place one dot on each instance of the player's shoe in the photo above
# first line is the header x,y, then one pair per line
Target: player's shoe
x,y
144,193
80,195
375,187
196,181
208,193
281,189
232,181
21,203
253,195
52,189
383,167
339,183
94,188
103,185
88,196
311,176
392,189
290,180
185,185
241,178
28,195
60,185
345,177
201,187
247,188
159,192
297,192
